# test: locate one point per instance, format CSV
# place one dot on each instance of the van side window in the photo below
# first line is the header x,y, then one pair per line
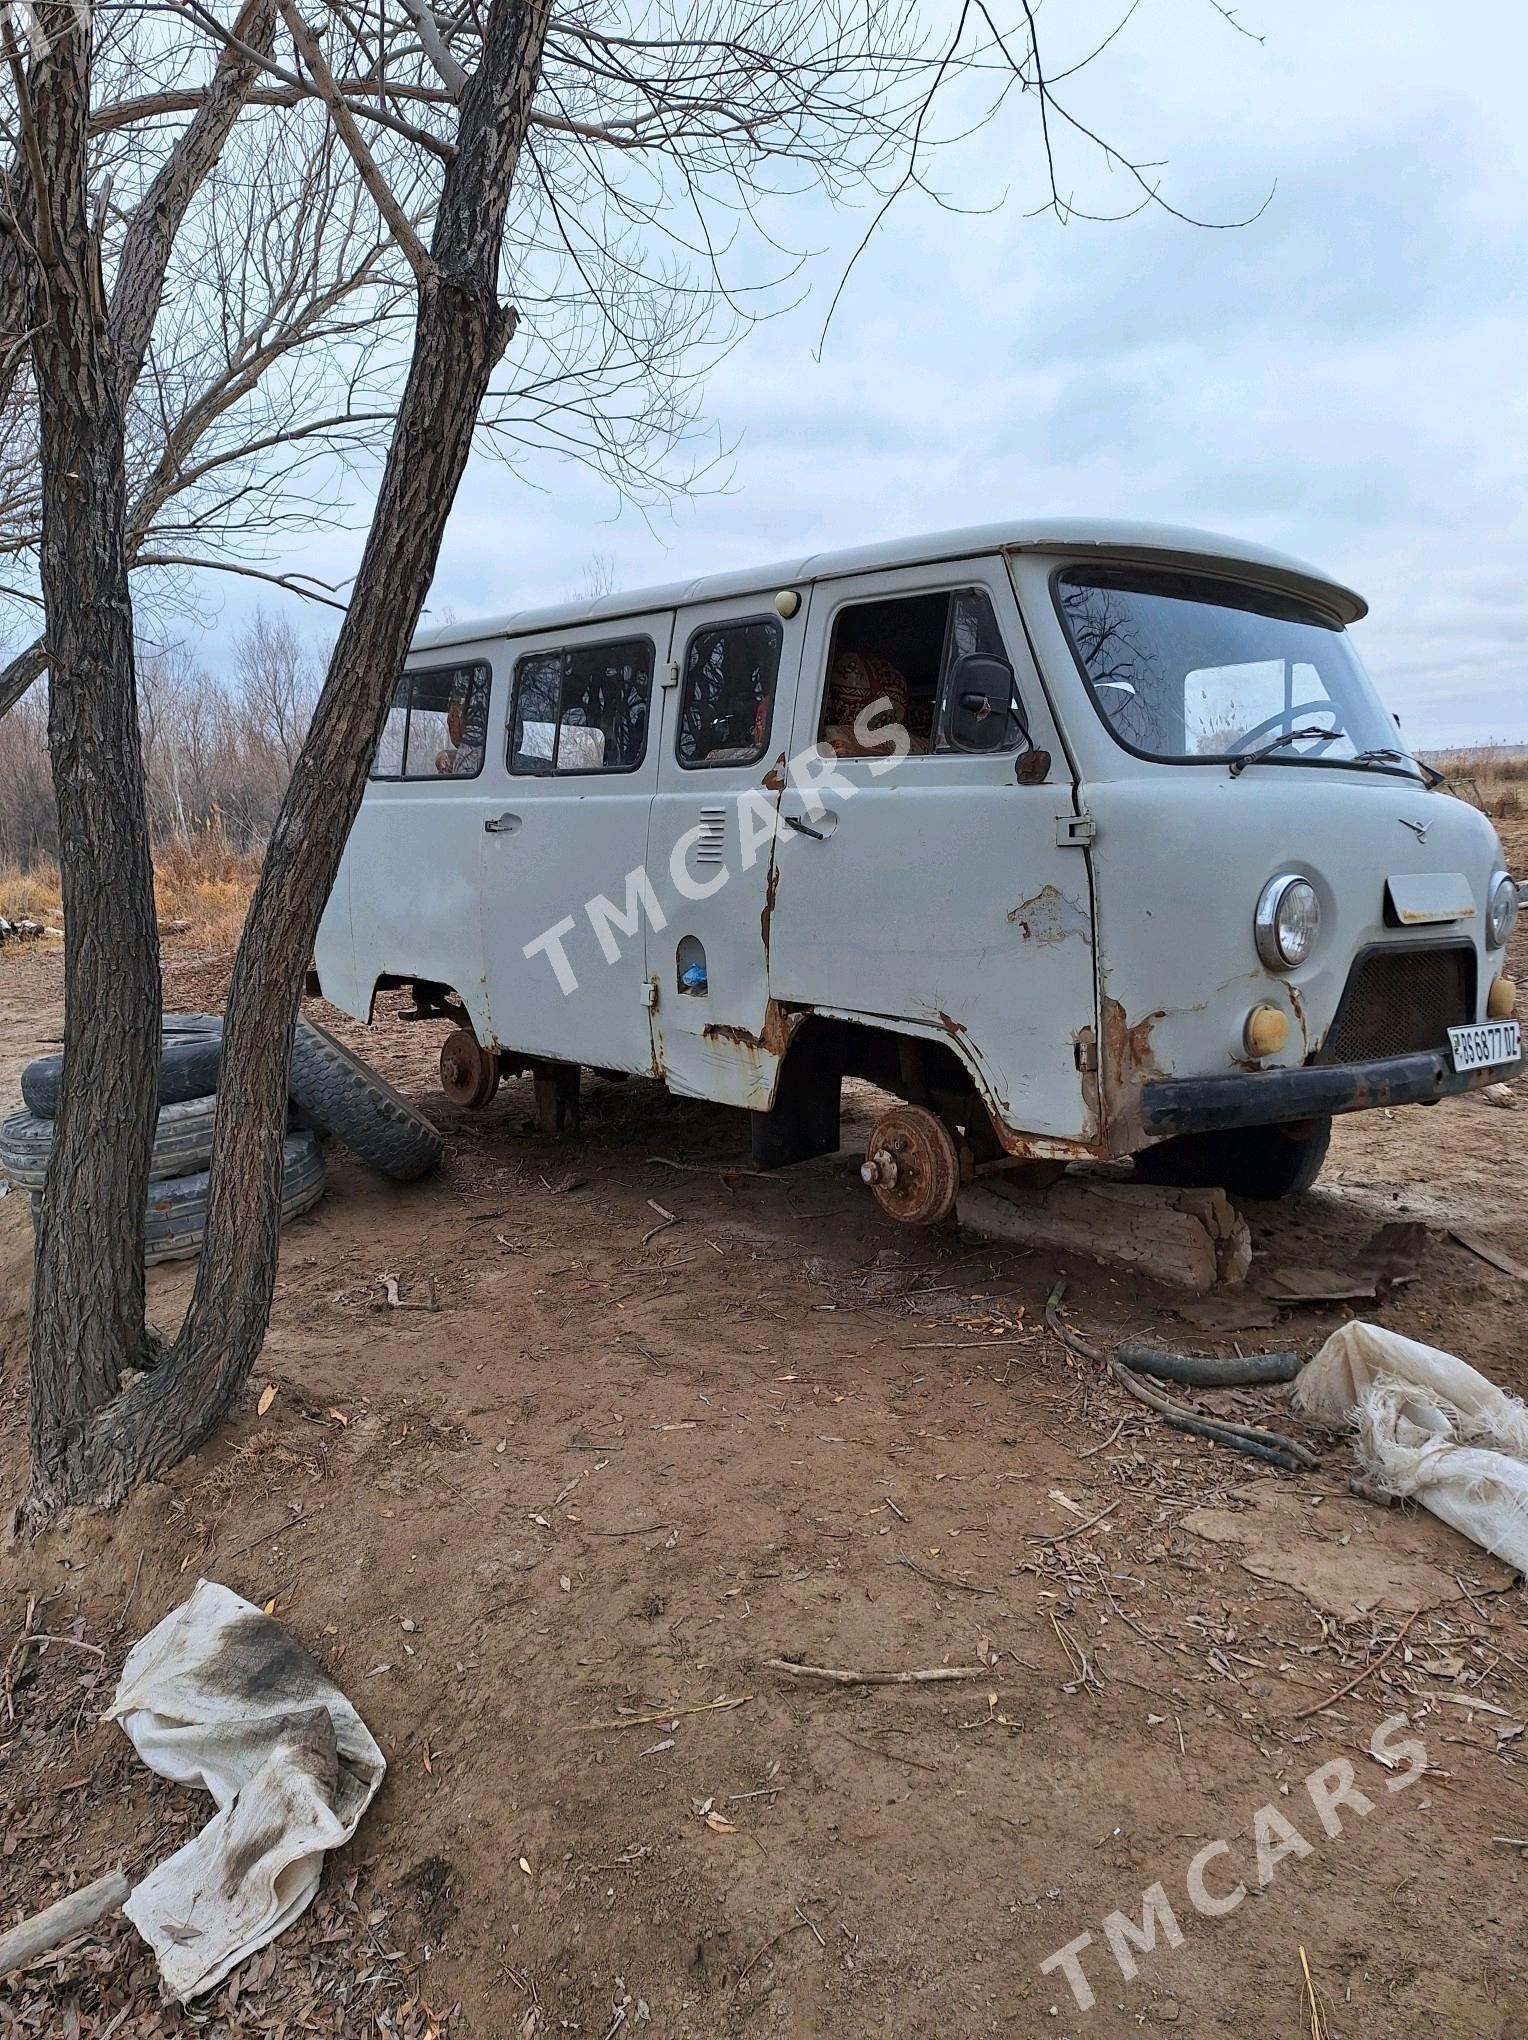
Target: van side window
x,y
729,692
901,661
582,710
437,724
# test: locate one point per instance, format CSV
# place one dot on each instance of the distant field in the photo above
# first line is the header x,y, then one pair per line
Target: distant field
x,y
1495,775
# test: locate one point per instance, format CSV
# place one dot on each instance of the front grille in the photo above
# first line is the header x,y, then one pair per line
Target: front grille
x,y
1400,1001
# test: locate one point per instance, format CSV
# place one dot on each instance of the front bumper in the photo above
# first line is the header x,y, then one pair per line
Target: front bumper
x,y
1272,1097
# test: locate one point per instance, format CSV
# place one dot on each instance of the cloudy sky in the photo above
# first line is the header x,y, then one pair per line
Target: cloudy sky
x,y
1343,378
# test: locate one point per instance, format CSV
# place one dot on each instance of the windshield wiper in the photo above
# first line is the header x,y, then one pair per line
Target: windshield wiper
x,y
1239,765
1381,754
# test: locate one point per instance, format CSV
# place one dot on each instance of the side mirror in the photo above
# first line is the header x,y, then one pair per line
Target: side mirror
x,y
983,714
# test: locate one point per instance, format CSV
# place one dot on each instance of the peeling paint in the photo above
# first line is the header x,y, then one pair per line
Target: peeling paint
x,y
1128,1061
772,1039
1297,1004
1050,917
774,778
1036,1147
955,1027
1128,1054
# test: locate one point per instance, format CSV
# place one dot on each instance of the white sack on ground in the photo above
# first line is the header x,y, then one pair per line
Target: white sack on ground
x,y
1429,1426
218,1695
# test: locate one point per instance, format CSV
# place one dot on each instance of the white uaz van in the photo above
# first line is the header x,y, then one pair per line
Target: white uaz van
x,y
1083,839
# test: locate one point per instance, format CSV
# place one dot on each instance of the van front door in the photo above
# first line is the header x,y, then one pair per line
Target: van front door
x,y
936,891
562,859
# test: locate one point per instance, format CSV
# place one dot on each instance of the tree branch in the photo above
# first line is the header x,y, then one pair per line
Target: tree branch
x,y
344,123
434,45
156,220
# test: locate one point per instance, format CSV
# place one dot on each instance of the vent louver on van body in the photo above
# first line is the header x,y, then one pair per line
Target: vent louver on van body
x,y
711,843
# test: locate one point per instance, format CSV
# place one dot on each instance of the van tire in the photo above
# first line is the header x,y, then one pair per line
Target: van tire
x,y
1263,1163
339,1093
190,1046
182,1142
176,1217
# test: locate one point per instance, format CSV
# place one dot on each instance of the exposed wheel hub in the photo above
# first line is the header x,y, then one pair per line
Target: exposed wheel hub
x,y
912,1166
469,1075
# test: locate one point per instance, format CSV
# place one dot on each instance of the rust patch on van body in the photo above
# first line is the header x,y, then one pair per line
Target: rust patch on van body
x,y
771,887
1049,917
1042,1147
1298,1005
1127,1061
773,1038
952,1026
774,778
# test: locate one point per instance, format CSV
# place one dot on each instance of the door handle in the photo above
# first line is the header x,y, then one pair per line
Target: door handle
x,y
805,829
501,825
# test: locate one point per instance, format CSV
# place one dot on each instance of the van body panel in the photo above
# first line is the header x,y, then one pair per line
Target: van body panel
x,y
709,860
1179,870
408,901
571,839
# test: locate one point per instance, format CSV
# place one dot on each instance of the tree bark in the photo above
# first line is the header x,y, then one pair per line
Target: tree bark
x,y
145,256
87,1309
460,335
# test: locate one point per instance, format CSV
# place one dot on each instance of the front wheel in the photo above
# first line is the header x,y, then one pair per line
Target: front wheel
x,y
1260,1162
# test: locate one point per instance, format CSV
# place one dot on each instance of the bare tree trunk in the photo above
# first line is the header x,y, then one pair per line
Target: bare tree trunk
x,y
462,330
88,1322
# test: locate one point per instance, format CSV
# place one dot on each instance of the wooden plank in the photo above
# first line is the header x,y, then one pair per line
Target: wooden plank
x,y
1190,1239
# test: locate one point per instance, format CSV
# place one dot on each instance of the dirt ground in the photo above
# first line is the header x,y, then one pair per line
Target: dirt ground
x,y
646,1422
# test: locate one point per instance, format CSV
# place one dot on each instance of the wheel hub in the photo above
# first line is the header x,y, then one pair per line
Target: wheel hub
x,y
912,1166
469,1075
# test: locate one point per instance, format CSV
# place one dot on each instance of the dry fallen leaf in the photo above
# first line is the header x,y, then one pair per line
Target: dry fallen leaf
x,y
339,1416
525,1866
719,1824
270,1606
427,1764
267,1397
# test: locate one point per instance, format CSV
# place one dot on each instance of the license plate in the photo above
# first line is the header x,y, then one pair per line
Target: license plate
x,y
1483,1047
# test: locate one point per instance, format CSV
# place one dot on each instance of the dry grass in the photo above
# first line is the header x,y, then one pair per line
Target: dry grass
x,y
206,883
201,888
1494,776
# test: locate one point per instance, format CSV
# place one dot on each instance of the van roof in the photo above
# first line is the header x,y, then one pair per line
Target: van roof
x,y
1155,544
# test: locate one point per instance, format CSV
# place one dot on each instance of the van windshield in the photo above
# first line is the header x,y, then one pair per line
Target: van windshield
x,y
1191,670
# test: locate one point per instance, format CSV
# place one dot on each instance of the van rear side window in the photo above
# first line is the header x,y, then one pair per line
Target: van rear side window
x,y
729,692
437,726
582,710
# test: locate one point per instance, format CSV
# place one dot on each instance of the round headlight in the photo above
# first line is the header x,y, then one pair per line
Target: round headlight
x,y
1288,921
1501,910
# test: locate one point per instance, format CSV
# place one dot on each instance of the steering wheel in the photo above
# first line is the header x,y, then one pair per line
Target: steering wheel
x,y
1289,716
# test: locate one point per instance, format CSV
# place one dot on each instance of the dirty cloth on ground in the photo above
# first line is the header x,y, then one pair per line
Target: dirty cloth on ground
x,y
218,1695
1428,1426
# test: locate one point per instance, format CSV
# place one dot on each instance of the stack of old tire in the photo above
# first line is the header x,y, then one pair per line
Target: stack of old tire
x,y
333,1093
